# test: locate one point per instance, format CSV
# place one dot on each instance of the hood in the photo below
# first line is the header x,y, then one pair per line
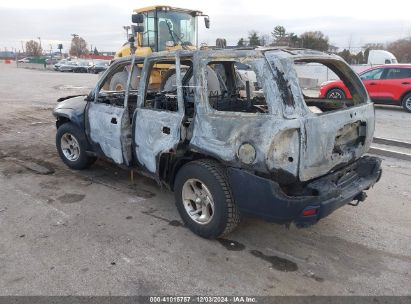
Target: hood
x,y
75,104
68,97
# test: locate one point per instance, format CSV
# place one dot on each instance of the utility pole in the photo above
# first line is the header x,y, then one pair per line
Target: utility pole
x,y
39,41
22,46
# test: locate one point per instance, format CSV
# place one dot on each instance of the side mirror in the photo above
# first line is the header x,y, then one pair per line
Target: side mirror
x,y
207,22
137,29
90,96
137,18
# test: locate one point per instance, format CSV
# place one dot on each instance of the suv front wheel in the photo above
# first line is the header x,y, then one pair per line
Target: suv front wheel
x,y
204,199
72,145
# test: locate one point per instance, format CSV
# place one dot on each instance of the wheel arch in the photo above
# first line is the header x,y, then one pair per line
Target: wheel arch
x,y
63,117
169,165
403,96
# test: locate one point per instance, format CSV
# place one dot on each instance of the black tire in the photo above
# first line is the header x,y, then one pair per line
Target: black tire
x,y
119,81
406,102
168,74
226,215
83,161
335,94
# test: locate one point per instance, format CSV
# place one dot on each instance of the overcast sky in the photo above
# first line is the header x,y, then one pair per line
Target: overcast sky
x,y
99,22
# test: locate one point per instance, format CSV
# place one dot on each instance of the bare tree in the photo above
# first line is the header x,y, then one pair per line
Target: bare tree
x,y
401,49
78,46
265,39
33,48
314,40
374,46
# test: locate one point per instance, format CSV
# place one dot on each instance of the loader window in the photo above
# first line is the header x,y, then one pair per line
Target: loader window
x,y
175,28
234,87
149,36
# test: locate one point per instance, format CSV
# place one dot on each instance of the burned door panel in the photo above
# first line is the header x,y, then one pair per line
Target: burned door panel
x,y
105,129
158,118
155,132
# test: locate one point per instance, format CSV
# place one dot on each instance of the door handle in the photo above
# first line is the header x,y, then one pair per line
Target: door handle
x,y
405,83
114,121
166,130
373,83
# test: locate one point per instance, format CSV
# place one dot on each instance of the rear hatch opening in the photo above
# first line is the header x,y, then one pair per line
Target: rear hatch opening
x,y
328,85
334,132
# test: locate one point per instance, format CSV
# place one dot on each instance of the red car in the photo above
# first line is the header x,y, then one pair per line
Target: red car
x,y
386,84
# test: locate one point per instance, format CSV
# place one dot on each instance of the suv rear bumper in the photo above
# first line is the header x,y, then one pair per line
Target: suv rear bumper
x,y
264,198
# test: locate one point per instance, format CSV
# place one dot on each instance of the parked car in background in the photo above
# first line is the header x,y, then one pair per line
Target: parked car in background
x,y
60,63
24,60
386,84
51,61
83,66
99,66
69,66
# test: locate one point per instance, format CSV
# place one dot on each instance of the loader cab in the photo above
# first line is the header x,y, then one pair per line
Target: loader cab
x,y
168,28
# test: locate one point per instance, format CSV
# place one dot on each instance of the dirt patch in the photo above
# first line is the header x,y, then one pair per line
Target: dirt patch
x,y
17,163
69,198
12,169
50,185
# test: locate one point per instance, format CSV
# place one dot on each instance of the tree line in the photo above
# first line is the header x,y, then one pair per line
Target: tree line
x,y
78,47
316,40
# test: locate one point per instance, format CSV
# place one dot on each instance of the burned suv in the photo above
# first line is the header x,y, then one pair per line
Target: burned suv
x,y
229,142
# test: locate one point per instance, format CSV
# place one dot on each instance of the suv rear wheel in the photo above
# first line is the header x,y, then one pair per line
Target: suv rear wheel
x,y
406,102
204,199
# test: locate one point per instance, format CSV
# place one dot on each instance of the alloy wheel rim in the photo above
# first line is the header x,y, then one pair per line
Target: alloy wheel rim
x,y
70,147
335,95
408,103
198,201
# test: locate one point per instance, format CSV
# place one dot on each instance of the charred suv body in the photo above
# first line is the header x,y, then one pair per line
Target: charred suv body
x,y
226,145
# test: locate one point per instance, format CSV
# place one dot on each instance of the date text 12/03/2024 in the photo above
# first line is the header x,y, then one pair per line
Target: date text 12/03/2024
x,y
203,299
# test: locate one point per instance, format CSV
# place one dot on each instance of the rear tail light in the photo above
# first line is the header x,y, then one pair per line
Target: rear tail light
x,y
310,212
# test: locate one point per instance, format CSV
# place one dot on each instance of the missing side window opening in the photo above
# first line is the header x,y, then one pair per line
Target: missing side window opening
x,y
162,85
233,87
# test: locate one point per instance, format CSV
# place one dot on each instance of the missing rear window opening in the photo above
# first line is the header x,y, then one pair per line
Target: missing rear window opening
x,y
328,85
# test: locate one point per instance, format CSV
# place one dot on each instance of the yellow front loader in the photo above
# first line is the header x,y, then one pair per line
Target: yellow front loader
x,y
156,29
